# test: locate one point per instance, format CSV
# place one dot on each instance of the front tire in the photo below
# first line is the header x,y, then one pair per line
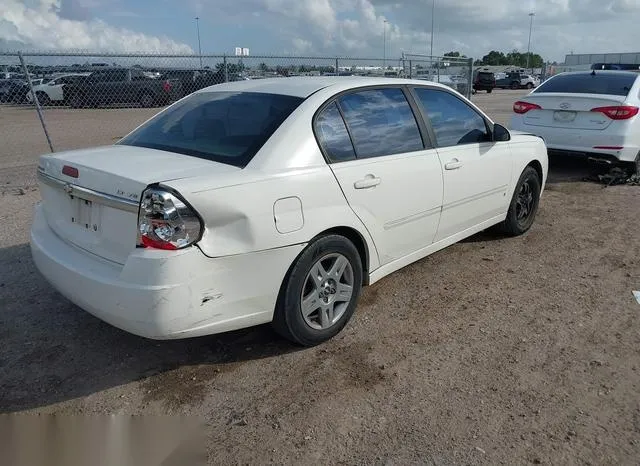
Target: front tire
x,y
320,293
524,204
43,98
529,86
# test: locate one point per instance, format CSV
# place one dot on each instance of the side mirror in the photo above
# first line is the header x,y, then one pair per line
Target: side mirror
x,y
500,133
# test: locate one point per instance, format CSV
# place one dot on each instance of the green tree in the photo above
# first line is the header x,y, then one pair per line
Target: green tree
x,y
494,58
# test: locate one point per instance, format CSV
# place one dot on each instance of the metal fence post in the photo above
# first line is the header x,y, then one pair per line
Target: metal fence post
x,y
226,68
35,100
410,69
336,65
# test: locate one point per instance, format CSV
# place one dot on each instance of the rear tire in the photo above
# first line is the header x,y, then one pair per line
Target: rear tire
x,y
529,86
146,100
489,91
43,98
524,204
320,293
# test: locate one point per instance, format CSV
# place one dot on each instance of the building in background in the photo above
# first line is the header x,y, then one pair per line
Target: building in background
x,y
583,61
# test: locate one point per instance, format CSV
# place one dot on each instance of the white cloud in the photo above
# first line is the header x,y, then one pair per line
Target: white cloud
x,y
50,24
474,27
301,45
342,27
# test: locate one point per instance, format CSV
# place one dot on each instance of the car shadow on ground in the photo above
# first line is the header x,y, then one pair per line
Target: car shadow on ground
x,y
564,169
53,351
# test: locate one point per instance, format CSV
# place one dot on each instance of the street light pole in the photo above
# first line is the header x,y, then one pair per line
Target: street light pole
x,y
199,46
384,46
433,18
531,15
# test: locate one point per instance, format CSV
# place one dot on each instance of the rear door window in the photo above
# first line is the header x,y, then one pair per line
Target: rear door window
x,y
598,83
381,122
226,127
333,135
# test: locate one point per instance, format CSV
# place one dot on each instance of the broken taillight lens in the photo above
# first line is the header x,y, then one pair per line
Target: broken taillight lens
x,y
166,222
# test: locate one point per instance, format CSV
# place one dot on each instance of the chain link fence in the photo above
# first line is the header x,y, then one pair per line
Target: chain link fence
x,y
85,99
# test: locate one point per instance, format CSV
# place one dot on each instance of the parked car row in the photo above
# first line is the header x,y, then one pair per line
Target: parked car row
x,y
516,81
488,81
111,85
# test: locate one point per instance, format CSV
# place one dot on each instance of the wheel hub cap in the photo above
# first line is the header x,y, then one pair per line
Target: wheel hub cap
x,y
327,290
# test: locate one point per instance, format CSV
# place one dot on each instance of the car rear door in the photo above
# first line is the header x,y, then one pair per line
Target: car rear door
x,y
476,170
381,155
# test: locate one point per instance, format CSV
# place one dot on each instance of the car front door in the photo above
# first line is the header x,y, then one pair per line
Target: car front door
x,y
476,170
383,159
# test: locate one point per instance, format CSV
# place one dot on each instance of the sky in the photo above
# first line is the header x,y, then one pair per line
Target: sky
x,y
322,27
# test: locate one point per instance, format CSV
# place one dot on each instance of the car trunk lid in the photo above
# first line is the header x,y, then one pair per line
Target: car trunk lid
x,y
571,111
90,197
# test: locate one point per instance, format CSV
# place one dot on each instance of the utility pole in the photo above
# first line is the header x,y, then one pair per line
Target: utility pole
x,y
199,46
384,46
531,15
433,21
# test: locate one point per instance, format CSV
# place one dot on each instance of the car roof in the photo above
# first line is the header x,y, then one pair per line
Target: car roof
x,y
304,86
604,72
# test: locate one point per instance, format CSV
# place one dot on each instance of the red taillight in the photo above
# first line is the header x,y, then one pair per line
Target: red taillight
x,y
155,244
167,86
621,112
523,107
167,222
70,171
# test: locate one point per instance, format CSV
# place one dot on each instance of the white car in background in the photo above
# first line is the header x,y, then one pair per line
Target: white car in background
x,y
529,81
276,200
52,90
591,114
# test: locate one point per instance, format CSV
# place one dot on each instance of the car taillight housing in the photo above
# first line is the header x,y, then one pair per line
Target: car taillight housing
x,y
166,222
523,107
167,86
618,112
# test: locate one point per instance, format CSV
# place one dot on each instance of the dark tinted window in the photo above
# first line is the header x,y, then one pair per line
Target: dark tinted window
x,y
227,127
615,66
333,136
598,83
453,121
381,122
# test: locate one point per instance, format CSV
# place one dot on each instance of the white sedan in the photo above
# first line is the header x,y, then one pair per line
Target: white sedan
x,y
591,114
52,91
276,200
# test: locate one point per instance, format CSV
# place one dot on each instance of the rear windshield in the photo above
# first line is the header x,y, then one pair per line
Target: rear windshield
x,y
599,83
226,127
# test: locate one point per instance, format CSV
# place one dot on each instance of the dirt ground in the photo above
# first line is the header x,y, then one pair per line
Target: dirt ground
x,y
494,351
